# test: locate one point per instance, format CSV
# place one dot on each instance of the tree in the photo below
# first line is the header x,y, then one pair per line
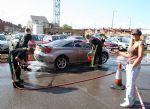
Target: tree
x,y
65,26
19,25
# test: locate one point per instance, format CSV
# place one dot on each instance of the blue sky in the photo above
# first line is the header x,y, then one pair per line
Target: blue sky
x,y
81,13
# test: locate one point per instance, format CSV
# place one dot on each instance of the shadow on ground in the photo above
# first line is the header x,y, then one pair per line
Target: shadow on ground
x,y
54,90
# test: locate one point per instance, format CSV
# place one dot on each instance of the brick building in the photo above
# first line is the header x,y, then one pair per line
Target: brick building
x,y
9,27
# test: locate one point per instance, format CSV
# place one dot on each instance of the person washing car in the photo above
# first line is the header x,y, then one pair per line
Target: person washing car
x,y
24,43
96,51
16,59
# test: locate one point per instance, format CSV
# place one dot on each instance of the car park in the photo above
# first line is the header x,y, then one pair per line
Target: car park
x,y
64,52
4,46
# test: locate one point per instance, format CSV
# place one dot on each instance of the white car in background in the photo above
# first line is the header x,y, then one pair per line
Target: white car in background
x,y
16,38
121,41
147,40
4,46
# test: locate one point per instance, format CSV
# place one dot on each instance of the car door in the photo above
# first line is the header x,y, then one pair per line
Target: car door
x,y
72,52
83,52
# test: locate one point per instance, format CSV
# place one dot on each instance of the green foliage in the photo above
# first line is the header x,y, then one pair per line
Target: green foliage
x,y
65,26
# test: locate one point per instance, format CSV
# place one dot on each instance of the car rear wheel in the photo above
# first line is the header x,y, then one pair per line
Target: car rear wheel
x,y
61,62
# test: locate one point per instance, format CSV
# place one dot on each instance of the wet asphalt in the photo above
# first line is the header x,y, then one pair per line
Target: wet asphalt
x,y
94,94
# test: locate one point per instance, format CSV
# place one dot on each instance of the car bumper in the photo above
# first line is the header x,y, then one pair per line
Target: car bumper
x,y
44,58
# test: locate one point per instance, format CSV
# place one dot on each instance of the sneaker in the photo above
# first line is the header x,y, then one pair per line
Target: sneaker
x,y
125,99
18,85
21,80
126,105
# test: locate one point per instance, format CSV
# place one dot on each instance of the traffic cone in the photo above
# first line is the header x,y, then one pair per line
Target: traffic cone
x,y
118,79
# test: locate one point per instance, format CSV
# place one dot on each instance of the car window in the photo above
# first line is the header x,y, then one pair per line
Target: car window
x,y
58,43
85,45
37,37
71,44
2,37
127,40
47,38
55,38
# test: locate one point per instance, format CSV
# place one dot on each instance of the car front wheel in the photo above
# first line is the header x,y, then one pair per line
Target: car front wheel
x,y
104,57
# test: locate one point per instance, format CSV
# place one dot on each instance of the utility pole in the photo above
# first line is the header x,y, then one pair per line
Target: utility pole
x,y
113,16
130,23
112,20
56,12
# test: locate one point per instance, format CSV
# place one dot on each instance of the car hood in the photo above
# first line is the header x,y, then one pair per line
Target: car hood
x,y
123,43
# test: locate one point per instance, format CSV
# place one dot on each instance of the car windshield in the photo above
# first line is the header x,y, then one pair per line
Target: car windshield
x,y
57,43
2,38
17,36
125,39
37,37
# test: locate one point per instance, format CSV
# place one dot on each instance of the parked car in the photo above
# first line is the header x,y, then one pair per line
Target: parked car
x,y
123,42
64,52
50,38
37,39
16,38
110,45
147,40
4,46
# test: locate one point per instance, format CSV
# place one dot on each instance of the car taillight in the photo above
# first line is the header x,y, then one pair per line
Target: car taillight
x,y
47,50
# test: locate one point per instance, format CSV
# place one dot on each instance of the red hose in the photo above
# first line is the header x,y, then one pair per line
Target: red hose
x,y
65,84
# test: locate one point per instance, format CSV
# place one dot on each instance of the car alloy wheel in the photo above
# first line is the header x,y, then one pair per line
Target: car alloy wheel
x,y
61,63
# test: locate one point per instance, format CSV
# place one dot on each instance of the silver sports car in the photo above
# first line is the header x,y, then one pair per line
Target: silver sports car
x,y
64,52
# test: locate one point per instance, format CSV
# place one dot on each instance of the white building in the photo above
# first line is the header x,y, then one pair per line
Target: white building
x,y
37,24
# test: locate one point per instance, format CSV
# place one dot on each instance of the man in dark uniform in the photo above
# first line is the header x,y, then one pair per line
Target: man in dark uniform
x,y
16,58
97,46
24,43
